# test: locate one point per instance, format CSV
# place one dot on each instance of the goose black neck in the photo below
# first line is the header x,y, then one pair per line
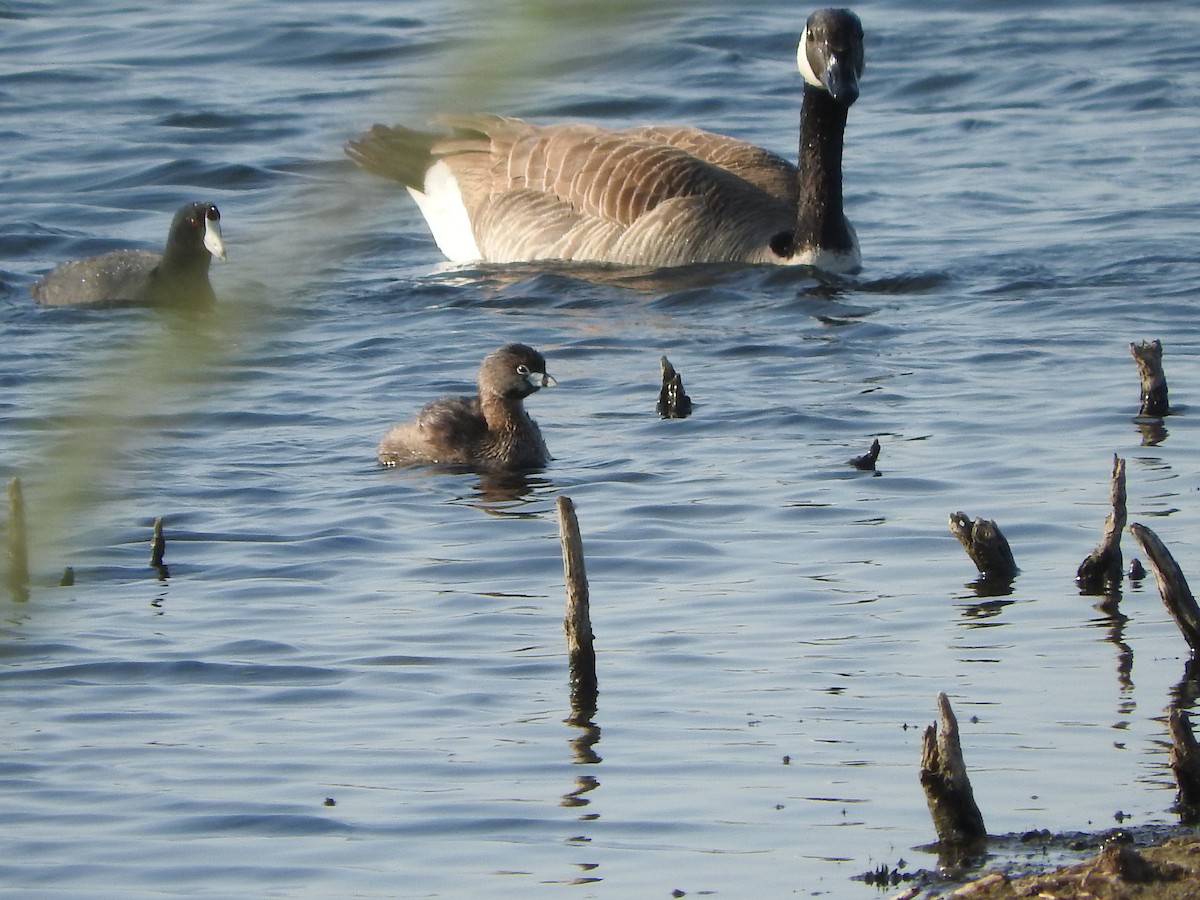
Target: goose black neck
x,y
820,220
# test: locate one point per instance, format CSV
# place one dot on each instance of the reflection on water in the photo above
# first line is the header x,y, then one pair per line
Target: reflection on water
x,y
1152,429
977,614
1115,622
506,493
396,636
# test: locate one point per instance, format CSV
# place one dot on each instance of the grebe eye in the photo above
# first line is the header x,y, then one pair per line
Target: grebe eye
x,y
522,369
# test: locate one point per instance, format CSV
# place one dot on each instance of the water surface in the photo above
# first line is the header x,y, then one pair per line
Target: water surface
x,y
351,681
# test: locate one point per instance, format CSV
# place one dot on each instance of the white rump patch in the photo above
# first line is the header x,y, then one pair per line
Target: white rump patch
x,y
441,204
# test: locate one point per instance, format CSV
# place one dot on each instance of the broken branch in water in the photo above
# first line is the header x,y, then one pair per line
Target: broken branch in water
x,y
158,545
673,401
581,653
1148,356
866,462
1185,763
1173,587
986,545
956,817
1102,569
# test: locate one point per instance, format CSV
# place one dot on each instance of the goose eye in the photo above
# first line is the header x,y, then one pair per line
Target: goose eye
x,y
212,214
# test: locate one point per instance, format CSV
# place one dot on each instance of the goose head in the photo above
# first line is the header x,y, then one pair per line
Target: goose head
x,y
830,55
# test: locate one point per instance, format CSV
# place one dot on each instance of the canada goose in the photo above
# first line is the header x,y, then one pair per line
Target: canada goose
x,y
178,275
490,431
500,189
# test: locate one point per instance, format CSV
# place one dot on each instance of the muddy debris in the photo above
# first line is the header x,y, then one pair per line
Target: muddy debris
x,y
1119,871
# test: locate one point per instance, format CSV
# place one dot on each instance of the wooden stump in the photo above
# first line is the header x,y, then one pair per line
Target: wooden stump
x,y
581,653
673,401
158,546
986,545
1185,763
1173,587
1148,356
1102,570
866,462
956,817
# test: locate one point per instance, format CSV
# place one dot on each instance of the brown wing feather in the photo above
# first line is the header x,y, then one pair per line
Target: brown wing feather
x,y
581,192
615,175
772,173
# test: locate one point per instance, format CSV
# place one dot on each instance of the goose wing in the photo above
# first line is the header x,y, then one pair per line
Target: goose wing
x,y
648,196
762,168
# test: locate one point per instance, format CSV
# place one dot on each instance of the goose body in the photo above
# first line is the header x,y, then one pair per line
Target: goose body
x,y
500,189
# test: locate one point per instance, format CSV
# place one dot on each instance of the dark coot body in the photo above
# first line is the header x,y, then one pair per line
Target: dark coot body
x,y
176,277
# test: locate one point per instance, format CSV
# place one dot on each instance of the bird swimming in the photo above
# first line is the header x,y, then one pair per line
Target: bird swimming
x,y
490,431
178,276
499,189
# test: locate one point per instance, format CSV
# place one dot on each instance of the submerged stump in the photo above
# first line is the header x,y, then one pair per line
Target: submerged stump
x,y
1173,587
1185,763
956,817
1148,356
866,462
673,401
986,545
581,653
1102,570
158,545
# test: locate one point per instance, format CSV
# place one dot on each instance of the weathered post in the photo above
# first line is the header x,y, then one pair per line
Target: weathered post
x,y
866,462
1148,356
986,545
1173,587
581,653
1102,570
1185,763
158,547
673,401
956,817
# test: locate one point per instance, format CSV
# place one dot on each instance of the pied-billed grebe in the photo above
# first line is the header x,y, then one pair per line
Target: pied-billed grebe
x,y
490,431
504,190
177,276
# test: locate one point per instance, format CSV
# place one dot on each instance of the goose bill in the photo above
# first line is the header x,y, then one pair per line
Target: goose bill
x,y
841,80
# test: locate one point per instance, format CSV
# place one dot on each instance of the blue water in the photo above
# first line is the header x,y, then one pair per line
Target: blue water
x,y
352,681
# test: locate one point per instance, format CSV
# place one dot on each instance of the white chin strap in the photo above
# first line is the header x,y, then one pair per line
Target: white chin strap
x,y
802,61
212,238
